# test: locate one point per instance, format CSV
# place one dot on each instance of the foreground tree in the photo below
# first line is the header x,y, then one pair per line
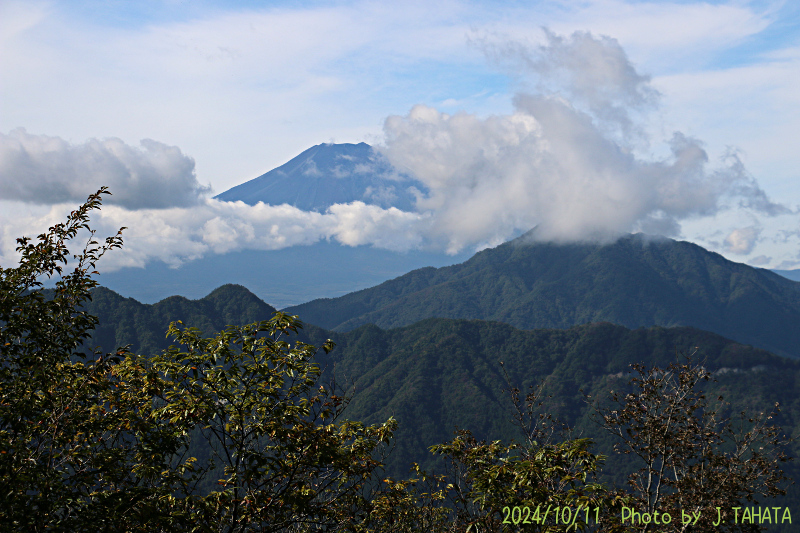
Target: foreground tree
x,y
697,465
492,487
78,450
229,434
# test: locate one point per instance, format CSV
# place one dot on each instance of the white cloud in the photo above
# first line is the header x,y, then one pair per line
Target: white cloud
x,y
741,241
669,35
754,107
380,195
562,161
240,88
40,169
311,169
590,71
789,264
559,166
18,17
358,223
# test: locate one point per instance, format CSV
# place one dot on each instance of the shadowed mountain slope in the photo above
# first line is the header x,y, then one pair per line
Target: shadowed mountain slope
x,y
635,282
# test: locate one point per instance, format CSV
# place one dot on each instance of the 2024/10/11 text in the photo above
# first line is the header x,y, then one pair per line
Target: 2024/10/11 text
x,y
561,515
568,517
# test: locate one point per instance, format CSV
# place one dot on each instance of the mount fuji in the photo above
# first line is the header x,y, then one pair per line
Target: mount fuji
x,y
314,180
328,174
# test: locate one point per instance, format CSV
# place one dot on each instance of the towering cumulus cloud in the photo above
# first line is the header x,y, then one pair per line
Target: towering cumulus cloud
x,y
48,170
565,159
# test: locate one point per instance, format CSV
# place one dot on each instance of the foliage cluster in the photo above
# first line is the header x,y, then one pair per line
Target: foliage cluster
x,y
91,441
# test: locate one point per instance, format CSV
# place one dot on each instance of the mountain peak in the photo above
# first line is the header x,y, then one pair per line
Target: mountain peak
x,y
328,174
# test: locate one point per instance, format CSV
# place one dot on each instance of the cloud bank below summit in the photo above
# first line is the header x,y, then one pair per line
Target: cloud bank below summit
x,y
569,159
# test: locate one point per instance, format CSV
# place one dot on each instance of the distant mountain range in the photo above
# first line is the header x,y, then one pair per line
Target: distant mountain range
x,y
793,275
125,321
284,277
434,374
635,282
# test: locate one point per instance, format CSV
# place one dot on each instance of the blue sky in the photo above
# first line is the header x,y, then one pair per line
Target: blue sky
x,y
229,90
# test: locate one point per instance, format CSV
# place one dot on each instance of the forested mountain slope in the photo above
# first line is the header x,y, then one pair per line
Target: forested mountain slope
x,y
440,374
636,281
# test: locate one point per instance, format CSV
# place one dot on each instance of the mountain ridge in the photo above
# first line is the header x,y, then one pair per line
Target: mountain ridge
x,y
634,281
125,321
